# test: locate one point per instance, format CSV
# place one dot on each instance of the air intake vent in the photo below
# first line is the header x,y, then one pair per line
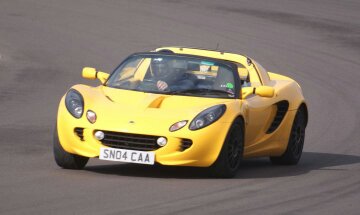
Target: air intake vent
x,y
185,144
79,132
282,108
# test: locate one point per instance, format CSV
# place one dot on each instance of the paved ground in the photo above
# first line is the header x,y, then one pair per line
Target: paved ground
x,y
44,45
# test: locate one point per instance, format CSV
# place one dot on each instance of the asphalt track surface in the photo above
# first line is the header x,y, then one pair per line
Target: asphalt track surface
x,y
44,45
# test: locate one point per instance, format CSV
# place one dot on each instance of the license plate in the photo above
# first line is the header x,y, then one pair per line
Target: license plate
x,y
129,156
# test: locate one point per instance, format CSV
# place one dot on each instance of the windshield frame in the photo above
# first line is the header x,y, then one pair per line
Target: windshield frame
x,y
229,64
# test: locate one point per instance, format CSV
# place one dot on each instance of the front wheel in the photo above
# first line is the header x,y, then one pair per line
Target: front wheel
x,y
64,159
231,153
296,142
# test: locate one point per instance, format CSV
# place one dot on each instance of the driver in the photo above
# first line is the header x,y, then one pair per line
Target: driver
x,y
171,78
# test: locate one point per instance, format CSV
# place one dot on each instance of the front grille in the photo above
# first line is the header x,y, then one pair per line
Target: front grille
x,y
79,132
130,141
185,144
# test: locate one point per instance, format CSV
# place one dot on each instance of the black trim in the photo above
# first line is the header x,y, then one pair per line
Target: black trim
x,y
181,48
248,61
281,108
165,51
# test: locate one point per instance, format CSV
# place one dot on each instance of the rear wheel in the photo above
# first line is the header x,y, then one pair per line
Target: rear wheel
x,y
64,159
231,153
296,141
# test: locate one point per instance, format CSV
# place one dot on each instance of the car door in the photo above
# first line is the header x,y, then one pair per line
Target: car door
x,y
259,111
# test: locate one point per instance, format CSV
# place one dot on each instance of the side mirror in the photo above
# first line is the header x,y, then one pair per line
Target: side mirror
x,y
92,74
89,73
264,91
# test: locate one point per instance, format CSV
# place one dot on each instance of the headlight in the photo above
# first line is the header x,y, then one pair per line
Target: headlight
x,y
74,103
207,117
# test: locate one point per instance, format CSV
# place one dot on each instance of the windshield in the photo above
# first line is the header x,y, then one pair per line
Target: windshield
x,y
173,74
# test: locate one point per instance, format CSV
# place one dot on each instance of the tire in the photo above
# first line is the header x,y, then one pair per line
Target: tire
x,y
64,159
295,146
231,153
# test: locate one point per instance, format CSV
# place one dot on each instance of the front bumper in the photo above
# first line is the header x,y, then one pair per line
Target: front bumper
x,y
205,148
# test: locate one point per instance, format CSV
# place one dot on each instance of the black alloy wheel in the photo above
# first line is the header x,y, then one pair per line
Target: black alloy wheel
x,y
64,159
231,154
295,146
235,147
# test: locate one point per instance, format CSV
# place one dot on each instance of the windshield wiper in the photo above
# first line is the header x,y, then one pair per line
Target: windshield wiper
x,y
201,90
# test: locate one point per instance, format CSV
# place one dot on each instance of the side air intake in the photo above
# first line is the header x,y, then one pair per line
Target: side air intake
x,y
282,108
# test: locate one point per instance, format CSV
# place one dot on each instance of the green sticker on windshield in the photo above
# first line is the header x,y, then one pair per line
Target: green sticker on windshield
x,y
207,63
229,85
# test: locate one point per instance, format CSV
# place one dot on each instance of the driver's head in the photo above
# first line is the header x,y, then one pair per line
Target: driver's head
x,y
159,67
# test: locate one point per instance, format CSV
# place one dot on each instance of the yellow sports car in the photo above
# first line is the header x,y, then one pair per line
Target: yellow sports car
x,y
182,106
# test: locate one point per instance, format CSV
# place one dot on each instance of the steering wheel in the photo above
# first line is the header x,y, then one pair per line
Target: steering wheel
x,y
151,85
148,84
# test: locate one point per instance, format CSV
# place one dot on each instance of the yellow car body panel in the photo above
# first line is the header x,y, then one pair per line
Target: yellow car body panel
x,y
152,114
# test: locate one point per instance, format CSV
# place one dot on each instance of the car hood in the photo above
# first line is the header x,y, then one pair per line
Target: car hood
x,y
143,109
141,100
